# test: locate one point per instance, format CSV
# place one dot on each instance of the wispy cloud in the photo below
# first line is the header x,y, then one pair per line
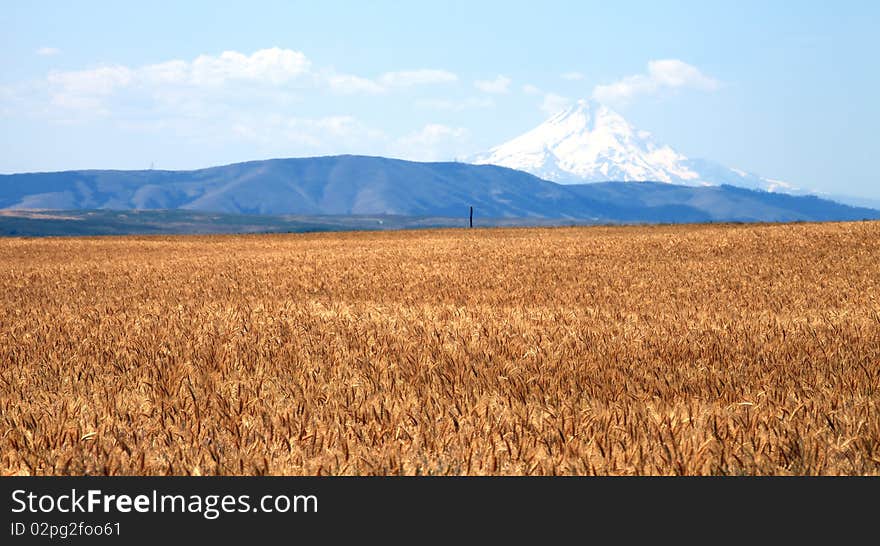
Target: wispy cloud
x,y
348,84
572,76
47,51
499,85
452,105
205,78
273,134
409,78
433,142
342,132
273,74
233,97
99,81
274,66
665,74
553,103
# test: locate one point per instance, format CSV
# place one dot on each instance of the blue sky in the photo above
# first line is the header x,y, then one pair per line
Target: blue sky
x,y
786,90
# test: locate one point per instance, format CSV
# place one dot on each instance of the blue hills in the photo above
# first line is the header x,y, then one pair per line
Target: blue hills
x,y
348,185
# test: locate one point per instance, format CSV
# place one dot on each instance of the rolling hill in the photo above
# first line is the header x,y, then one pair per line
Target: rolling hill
x,y
359,185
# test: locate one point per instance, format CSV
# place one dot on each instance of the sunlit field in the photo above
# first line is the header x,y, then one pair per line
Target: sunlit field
x,y
719,349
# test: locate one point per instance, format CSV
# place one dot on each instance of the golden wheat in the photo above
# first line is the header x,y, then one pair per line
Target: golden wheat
x,y
743,349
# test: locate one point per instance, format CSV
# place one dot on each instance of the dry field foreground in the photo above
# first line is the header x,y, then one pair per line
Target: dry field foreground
x,y
661,350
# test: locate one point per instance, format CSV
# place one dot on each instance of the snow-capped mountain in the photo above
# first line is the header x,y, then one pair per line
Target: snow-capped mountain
x,y
589,142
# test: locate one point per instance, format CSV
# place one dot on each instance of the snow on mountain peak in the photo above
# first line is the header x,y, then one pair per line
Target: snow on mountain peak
x,y
590,142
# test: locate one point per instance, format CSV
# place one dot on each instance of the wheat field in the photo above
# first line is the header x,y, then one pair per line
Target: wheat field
x,y
698,350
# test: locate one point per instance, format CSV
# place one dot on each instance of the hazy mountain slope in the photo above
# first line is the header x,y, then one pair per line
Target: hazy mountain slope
x,y
370,185
321,185
720,203
357,185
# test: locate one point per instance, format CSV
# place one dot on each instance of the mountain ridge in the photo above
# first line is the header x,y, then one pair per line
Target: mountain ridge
x,y
357,185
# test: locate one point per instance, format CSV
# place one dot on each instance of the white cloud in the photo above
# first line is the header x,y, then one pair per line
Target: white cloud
x,y
103,80
348,84
178,82
169,72
409,78
273,66
572,76
47,51
665,74
470,103
200,86
625,89
498,85
675,73
235,97
553,103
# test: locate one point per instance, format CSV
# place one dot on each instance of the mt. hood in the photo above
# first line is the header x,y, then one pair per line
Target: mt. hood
x,y
589,142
